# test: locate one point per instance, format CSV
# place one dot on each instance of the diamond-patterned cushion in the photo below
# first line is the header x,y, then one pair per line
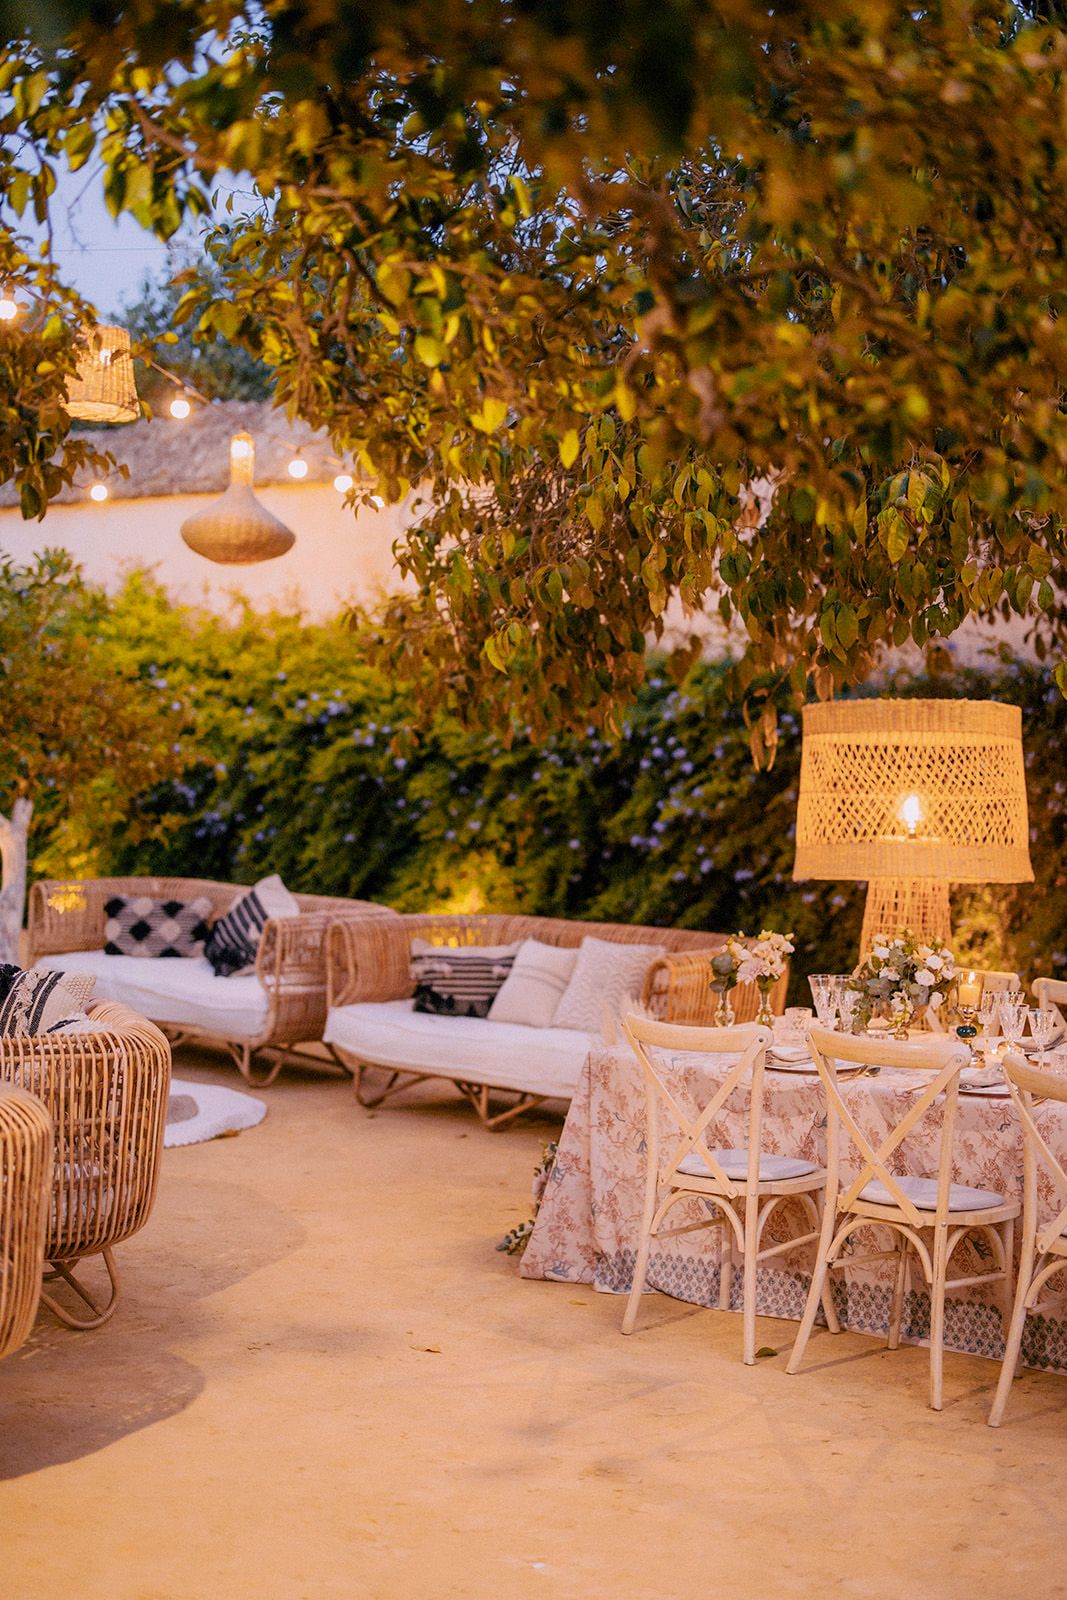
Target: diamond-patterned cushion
x,y
140,926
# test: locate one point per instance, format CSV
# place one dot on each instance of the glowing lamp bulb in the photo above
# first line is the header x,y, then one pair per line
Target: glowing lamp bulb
x,y
98,491
298,467
8,309
180,407
343,482
911,813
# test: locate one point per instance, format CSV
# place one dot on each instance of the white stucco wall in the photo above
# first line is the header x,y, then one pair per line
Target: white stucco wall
x,y
338,556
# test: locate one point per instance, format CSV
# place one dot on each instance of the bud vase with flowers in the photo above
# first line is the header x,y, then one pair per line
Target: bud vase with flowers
x,y
900,978
761,961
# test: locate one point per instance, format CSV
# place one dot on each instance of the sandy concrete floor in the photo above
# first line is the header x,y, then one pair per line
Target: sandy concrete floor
x,y
325,1382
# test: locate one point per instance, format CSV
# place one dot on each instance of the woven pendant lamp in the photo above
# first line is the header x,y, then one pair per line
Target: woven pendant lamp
x,y
104,389
910,796
236,530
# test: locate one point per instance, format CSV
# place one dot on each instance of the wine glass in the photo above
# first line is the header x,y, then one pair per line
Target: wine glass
x,y
1013,1017
1044,1025
823,987
847,1004
988,1013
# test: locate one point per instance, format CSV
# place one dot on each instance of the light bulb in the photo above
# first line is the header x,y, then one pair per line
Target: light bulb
x,y
911,813
343,482
8,309
377,501
298,467
180,407
98,491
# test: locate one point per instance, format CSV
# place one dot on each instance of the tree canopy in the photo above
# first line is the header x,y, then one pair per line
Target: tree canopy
x,y
759,307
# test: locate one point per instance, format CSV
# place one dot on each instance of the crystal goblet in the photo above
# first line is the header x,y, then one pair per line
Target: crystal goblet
x,y
1044,1026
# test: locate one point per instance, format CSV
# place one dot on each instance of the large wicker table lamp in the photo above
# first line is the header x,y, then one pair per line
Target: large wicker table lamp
x,y
910,796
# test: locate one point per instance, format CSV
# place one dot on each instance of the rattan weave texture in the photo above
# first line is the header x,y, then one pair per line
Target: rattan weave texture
x,y
25,1189
961,760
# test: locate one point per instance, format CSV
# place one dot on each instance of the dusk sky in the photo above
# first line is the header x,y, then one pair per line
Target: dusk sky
x,y
104,259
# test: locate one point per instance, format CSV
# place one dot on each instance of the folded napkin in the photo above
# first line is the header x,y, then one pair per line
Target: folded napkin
x,y
988,1077
789,1052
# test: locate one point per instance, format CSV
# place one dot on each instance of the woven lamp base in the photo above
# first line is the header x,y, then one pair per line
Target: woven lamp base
x,y
919,904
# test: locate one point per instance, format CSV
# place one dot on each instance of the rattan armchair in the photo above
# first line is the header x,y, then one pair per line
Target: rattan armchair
x,y
106,1094
370,960
291,964
25,1190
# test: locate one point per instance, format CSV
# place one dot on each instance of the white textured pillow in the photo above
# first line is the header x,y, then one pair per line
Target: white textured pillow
x,y
532,991
605,975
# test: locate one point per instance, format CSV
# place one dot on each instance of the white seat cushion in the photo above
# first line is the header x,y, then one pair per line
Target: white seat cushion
x,y
184,992
922,1192
772,1169
504,1055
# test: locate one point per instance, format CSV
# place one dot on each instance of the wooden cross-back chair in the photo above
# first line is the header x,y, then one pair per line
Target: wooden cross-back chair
x,y
929,1215
743,1187
1044,1249
1052,992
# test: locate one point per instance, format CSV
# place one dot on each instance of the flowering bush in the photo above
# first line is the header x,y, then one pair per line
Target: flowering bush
x,y
903,976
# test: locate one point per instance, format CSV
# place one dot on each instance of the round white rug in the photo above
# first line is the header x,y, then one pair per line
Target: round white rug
x,y
197,1112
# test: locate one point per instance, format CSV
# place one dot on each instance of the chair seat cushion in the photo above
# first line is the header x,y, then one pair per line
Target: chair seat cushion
x,y
772,1169
183,993
504,1055
922,1192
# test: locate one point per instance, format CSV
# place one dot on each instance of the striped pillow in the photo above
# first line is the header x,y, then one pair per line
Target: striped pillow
x,y
459,981
39,1001
234,940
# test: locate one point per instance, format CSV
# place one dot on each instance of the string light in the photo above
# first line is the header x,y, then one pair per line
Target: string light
x,y
343,482
8,308
98,492
298,467
180,407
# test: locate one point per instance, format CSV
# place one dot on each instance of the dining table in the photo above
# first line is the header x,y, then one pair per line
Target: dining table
x,y
588,1222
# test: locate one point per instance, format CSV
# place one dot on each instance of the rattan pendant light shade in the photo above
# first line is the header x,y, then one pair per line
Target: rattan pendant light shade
x,y
236,530
104,389
912,795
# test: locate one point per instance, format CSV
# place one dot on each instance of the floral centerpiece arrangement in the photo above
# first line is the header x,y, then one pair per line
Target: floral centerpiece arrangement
x,y
900,976
760,961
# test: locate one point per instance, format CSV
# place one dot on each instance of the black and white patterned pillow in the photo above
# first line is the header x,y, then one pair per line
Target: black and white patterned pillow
x,y
137,925
39,1001
234,940
453,981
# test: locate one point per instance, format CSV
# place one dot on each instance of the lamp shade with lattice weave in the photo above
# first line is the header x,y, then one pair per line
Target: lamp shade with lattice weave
x,y
931,789
104,389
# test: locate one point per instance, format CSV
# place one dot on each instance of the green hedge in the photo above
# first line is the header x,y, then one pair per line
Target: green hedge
x,y
301,760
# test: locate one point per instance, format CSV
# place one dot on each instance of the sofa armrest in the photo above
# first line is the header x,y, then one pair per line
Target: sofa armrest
x,y
678,989
368,958
65,915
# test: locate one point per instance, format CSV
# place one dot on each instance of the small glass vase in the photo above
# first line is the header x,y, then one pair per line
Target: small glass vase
x,y
765,1016
724,1011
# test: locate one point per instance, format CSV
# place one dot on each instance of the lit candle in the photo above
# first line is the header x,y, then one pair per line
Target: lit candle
x,y
969,992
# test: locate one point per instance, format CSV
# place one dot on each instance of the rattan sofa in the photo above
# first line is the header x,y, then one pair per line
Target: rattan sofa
x,y
371,1028
265,1015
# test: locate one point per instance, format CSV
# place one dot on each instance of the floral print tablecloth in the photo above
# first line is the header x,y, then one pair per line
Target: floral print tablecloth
x,y
587,1227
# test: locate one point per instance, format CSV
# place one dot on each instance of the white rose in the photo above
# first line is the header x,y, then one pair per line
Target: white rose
x,y
935,963
881,951
935,999
925,977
